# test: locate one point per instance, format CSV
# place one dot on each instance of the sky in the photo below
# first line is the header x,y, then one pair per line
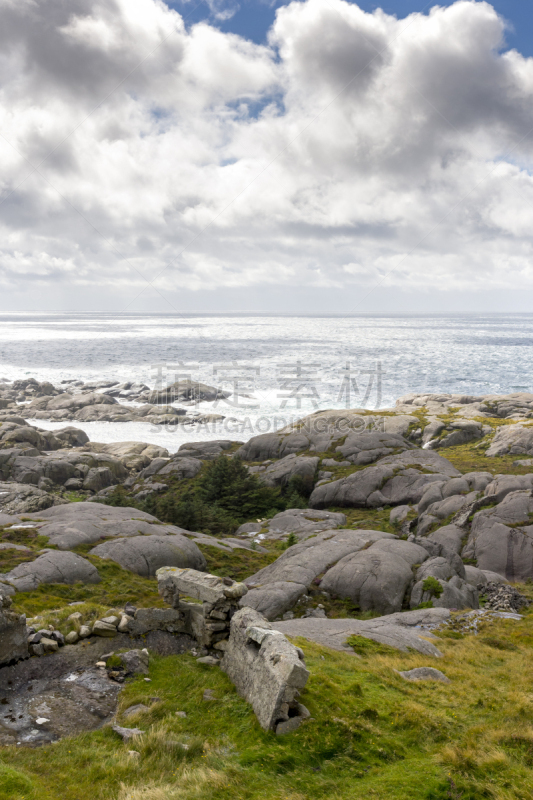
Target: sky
x,y
235,155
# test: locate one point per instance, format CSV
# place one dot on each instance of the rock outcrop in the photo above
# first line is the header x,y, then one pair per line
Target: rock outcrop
x,y
410,630
300,521
144,555
357,441
401,479
501,538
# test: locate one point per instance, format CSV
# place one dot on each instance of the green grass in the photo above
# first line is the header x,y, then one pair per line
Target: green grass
x,y
372,734
115,589
471,458
368,647
241,563
29,538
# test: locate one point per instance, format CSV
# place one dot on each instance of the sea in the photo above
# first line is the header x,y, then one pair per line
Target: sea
x,y
276,368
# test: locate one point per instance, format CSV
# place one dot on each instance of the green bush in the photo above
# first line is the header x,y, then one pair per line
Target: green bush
x,y
432,586
223,497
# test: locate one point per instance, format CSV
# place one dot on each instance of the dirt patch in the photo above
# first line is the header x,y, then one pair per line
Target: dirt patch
x,y
44,699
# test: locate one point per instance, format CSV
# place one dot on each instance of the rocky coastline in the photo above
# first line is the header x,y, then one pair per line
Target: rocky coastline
x,y
412,514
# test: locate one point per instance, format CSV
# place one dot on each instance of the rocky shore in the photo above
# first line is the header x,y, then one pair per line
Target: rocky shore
x,y
109,402
412,513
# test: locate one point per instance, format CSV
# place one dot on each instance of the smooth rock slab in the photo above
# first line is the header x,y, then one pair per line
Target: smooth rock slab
x,y
376,578
54,566
514,439
281,472
156,619
22,498
302,522
72,524
403,631
144,555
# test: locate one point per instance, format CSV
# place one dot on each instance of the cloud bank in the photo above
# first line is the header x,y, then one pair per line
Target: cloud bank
x,y
353,150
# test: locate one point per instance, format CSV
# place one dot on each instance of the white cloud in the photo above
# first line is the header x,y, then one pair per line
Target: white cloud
x,y
354,149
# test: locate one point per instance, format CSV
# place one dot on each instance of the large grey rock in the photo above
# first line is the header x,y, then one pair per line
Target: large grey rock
x,y
405,631
205,451
456,594
456,433
98,478
135,662
292,466
475,576
501,538
377,578
275,588
153,467
463,485
186,391
69,401
53,566
13,636
395,480
443,509
303,522
365,448
449,537
31,467
19,498
181,468
144,555
26,434
133,455
517,404
502,485
424,674
73,524
359,437
514,439
71,437
265,668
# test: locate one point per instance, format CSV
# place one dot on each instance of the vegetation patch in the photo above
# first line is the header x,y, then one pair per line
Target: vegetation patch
x,y
117,587
241,563
471,458
432,586
220,498
368,647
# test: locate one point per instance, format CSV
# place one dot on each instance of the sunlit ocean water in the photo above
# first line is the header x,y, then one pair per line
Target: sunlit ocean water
x,y
289,366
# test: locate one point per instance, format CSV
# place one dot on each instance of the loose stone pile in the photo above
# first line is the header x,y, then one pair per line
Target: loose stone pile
x,y
502,597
